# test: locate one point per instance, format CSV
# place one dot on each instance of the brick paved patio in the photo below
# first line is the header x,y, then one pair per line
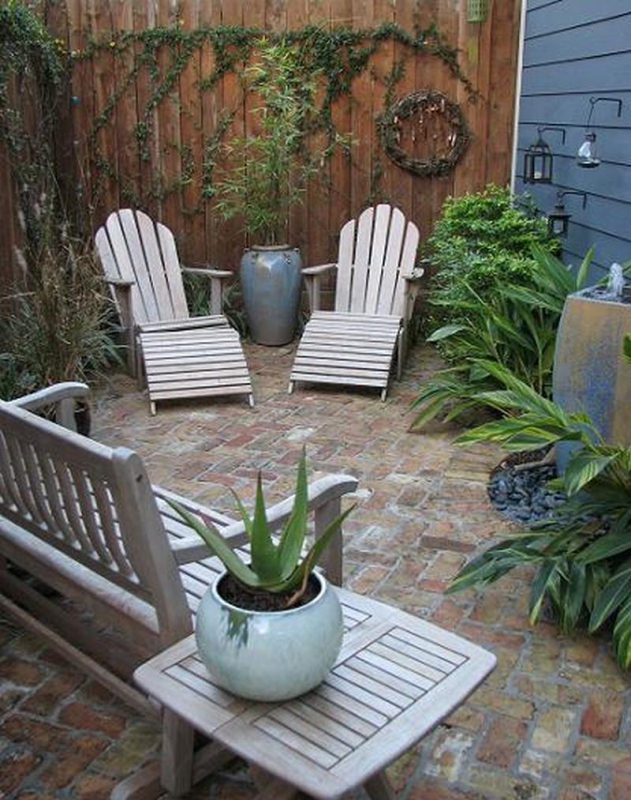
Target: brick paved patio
x,y
554,719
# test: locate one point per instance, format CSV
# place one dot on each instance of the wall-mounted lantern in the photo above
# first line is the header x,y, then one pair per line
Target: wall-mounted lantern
x,y
538,159
559,218
587,156
476,10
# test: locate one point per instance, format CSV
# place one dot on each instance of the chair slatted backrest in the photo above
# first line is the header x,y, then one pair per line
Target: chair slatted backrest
x,y
94,504
134,248
375,251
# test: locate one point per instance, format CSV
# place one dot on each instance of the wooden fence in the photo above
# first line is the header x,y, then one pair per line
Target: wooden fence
x,y
143,129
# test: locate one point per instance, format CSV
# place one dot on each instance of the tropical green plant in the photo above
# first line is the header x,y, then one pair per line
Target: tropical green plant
x,y
514,327
481,242
581,552
270,170
627,346
277,565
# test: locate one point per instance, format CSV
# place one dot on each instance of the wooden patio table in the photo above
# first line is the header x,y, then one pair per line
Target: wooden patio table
x,y
397,676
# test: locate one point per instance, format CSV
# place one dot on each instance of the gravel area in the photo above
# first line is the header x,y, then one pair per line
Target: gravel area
x,y
522,494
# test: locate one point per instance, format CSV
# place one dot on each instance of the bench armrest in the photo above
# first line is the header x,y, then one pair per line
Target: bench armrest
x,y
64,396
324,495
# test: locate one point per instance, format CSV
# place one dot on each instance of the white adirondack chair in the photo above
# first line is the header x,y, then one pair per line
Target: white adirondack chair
x,y
183,356
376,286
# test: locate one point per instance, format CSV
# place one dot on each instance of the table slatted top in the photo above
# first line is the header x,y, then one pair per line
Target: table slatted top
x,y
396,678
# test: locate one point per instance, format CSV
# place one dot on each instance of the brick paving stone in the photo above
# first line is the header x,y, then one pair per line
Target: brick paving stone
x,y
500,743
603,715
553,730
85,717
71,763
553,721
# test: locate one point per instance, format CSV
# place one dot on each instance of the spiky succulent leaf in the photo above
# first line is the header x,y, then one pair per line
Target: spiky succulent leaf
x,y
209,533
264,552
293,536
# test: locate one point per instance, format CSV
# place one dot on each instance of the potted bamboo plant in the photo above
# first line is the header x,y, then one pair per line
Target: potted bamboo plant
x,y
269,629
268,172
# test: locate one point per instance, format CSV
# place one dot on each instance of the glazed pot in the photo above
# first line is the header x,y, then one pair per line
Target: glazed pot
x,y
269,655
271,282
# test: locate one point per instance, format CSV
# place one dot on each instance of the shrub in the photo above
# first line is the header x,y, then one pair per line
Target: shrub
x,y
515,327
481,242
582,552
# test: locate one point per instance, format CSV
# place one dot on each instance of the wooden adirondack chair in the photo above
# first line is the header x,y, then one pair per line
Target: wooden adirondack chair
x,y
183,356
376,286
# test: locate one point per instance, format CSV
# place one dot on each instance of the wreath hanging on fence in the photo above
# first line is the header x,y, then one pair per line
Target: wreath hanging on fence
x,y
425,133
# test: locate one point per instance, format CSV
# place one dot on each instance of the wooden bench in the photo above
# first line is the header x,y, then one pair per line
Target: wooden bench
x,y
92,557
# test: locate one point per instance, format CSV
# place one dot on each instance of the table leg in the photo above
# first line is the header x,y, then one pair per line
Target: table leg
x,y
177,753
378,787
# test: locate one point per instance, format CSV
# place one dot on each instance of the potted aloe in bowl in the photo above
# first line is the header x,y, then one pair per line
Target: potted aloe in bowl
x,y
269,629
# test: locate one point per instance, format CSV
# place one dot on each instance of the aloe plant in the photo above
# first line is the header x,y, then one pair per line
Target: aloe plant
x,y
582,552
277,565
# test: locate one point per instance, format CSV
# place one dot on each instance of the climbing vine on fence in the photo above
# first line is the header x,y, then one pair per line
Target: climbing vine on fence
x,y
159,56
32,69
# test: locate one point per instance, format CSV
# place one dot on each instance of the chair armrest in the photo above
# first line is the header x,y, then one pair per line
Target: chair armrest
x,y
313,277
63,396
324,499
320,269
208,272
217,278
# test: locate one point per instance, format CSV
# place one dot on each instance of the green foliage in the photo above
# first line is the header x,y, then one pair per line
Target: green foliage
x,y
59,329
268,172
514,326
32,70
627,346
160,56
276,565
582,552
480,242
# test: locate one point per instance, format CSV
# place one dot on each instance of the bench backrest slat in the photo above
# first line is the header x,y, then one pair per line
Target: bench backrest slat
x,y
94,504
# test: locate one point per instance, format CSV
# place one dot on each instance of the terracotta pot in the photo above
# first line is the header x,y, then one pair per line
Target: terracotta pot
x,y
269,655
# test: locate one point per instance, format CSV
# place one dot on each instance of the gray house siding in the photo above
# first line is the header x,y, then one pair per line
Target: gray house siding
x,y
575,50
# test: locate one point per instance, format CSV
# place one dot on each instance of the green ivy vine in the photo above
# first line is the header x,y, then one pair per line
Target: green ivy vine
x,y
32,70
340,55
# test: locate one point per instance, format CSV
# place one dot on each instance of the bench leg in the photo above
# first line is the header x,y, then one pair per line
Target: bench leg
x,y
378,787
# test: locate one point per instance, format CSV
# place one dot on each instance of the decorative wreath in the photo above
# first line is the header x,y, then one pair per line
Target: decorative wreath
x,y
423,111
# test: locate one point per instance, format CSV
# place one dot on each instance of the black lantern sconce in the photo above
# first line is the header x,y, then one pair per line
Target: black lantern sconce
x,y
538,158
558,218
587,156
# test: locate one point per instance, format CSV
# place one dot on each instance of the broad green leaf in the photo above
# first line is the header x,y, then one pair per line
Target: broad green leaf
x,y
445,332
573,595
617,541
545,577
622,635
581,468
616,592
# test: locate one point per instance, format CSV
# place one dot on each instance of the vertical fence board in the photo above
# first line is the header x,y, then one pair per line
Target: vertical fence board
x,y
187,119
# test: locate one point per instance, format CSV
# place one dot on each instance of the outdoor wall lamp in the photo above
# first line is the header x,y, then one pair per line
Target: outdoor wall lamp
x,y
587,156
538,158
558,218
